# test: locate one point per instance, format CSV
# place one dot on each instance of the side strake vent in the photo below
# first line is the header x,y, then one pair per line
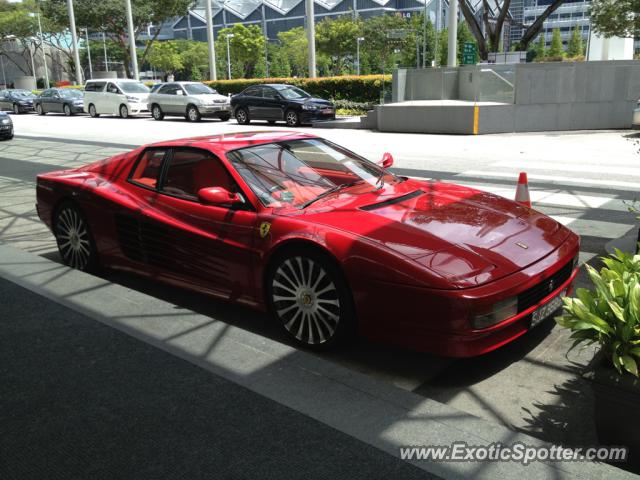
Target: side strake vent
x,y
391,201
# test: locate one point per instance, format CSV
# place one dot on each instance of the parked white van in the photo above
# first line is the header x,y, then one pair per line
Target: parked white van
x,y
115,97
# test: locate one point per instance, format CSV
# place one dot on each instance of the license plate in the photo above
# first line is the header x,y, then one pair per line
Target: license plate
x,y
327,110
547,309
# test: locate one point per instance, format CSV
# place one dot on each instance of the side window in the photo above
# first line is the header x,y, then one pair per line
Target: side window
x,y
268,92
168,89
112,88
192,169
147,169
253,92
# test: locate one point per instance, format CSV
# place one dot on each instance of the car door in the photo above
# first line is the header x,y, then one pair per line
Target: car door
x,y
253,101
111,99
55,102
273,104
211,246
163,97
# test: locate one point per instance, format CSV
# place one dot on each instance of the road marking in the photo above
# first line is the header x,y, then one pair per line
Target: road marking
x,y
476,119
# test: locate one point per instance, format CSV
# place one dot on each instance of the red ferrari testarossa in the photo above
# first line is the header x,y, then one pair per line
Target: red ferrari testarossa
x,y
327,241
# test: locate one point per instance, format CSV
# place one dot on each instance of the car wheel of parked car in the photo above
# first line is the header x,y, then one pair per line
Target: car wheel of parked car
x,y
16,108
309,296
224,118
292,118
157,112
193,114
242,116
67,110
74,239
40,110
93,112
124,111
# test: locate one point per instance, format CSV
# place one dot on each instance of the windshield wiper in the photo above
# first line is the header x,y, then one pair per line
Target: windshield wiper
x,y
326,193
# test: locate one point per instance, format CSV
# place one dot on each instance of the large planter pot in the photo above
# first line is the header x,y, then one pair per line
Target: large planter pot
x,y
617,408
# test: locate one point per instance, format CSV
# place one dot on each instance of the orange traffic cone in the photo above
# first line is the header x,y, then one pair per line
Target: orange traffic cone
x,y
522,191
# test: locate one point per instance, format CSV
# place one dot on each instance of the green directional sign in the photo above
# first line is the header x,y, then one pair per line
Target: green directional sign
x,y
469,54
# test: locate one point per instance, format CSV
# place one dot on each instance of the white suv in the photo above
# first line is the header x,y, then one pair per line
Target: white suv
x,y
115,97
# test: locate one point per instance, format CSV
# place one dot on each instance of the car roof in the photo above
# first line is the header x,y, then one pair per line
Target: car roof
x,y
277,86
231,141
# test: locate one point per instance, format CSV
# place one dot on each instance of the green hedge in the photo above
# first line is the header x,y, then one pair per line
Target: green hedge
x,y
364,88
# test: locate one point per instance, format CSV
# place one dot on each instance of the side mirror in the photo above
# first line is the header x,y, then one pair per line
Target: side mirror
x,y
387,160
218,196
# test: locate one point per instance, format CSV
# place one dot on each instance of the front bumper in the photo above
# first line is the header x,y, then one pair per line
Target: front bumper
x,y
77,108
136,108
215,110
6,131
26,108
307,116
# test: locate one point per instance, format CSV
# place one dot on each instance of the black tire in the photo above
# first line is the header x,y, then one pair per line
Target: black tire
x,y
242,116
318,317
73,236
193,114
16,108
67,110
292,118
92,111
156,112
225,118
123,110
40,110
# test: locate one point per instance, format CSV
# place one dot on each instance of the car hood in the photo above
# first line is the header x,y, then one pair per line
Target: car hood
x,y
210,98
315,101
464,236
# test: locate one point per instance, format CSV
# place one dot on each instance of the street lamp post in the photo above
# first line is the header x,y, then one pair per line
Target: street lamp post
x,y
213,74
452,49
33,65
44,55
358,40
229,35
86,32
132,41
311,37
104,46
74,39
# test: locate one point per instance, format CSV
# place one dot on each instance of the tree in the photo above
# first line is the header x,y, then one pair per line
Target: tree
x,y
294,51
336,38
195,59
464,36
556,50
110,16
247,50
379,48
165,56
616,18
574,47
443,47
493,22
541,47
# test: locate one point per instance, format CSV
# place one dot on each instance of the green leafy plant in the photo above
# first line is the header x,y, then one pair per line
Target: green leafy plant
x,y
610,313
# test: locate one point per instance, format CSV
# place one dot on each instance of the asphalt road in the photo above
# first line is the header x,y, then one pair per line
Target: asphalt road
x,y
581,179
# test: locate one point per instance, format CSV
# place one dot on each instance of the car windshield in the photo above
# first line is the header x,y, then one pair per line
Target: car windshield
x,y
70,93
23,93
298,172
198,89
293,93
133,87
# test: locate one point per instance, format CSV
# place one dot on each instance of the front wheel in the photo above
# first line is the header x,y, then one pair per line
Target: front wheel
x,y
310,298
75,243
16,108
157,112
292,118
124,111
39,109
242,116
67,110
193,114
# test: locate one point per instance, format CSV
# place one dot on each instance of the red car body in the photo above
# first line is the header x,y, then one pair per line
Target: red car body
x,y
421,258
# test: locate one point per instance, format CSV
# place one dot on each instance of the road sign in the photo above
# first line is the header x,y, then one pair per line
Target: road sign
x,y
469,54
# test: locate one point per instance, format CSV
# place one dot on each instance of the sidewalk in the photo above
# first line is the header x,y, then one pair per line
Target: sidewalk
x,y
191,397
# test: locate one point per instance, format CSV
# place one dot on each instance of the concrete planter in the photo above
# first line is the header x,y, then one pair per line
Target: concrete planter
x,y
617,408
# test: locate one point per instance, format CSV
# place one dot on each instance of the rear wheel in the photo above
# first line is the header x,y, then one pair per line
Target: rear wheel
x,y
67,110
157,112
93,112
75,243
242,116
310,298
124,111
193,114
39,109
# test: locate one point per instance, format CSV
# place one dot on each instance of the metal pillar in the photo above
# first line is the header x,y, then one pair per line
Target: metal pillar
x,y
74,39
311,37
213,73
44,54
452,49
132,41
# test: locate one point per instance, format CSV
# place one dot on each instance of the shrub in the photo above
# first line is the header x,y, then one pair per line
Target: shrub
x,y
364,88
610,314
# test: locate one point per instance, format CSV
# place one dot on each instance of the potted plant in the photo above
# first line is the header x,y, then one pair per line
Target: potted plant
x,y
609,315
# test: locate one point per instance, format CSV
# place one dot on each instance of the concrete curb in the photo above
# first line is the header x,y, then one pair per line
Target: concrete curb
x,y
626,243
369,410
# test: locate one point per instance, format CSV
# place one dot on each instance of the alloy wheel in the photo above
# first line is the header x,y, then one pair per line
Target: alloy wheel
x,y
39,110
124,111
242,117
72,236
157,113
292,119
306,300
67,110
16,108
92,111
193,114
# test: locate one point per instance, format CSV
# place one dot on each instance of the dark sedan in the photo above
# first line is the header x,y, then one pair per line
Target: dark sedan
x,y
16,101
6,126
60,100
278,102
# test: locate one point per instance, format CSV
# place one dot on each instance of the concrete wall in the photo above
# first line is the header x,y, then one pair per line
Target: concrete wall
x,y
534,97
